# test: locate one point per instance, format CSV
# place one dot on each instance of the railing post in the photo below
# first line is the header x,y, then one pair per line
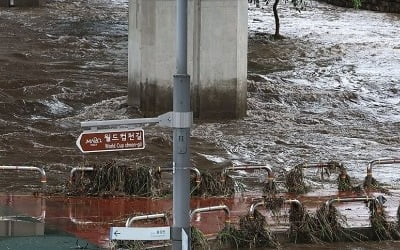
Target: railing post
x,y
43,178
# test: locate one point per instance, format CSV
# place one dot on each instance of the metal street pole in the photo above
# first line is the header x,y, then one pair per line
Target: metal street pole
x,y
181,136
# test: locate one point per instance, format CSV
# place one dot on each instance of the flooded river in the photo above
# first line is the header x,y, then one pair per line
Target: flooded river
x,y
329,91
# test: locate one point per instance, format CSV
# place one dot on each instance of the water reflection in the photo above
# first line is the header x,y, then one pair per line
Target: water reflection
x,y
12,226
90,218
15,220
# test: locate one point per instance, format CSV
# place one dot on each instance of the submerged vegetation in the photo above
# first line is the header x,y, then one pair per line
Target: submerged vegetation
x,y
131,245
371,183
232,236
255,232
198,239
344,181
295,180
274,204
328,224
325,225
213,184
252,232
269,188
301,226
383,229
110,179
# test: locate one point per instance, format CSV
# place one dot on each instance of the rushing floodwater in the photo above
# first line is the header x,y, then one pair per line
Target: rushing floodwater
x,y
329,91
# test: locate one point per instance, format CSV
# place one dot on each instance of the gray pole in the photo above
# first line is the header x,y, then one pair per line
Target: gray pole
x,y
181,136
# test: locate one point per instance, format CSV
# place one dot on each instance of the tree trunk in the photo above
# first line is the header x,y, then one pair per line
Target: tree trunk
x,y
275,9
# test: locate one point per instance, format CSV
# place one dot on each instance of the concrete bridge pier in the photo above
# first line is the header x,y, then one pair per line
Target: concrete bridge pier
x,y
21,3
217,56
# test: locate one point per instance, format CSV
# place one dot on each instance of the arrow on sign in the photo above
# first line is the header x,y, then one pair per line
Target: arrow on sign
x,y
140,233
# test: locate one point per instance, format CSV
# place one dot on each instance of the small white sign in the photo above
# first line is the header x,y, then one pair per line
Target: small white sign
x,y
140,233
185,240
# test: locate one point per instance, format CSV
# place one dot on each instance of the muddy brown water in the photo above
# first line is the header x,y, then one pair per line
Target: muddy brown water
x,y
329,90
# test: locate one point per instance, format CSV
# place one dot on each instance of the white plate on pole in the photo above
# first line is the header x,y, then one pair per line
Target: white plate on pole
x,y
185,240
140,233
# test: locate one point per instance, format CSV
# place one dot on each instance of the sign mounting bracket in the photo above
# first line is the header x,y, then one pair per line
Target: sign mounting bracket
x,y
169,119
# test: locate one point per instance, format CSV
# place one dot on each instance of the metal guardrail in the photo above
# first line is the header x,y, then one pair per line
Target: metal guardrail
x,y
317,165
129,221
249,167
321,165
270,178
369,178
40,218
43,179
254,206
213,208
73,170
193,169
381,162
351,199
81,222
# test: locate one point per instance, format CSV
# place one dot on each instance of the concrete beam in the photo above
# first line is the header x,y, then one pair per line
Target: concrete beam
x,y
217,56
21,3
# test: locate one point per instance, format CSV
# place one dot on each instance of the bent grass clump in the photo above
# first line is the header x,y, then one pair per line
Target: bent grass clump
x,y
371,183
300,230
323,226
328,225
198,239
131,245
255,231
344,181
252,232
269,188
383,229
295,180
212,184
110,179
232,236
274,204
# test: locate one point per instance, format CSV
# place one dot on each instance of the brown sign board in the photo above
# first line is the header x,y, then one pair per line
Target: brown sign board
x,y
111,140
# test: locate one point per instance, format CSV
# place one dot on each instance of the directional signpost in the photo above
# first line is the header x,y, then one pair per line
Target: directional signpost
x,y
111,140
180,120
140,233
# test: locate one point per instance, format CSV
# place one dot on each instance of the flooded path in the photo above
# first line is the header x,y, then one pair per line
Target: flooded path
x,y
90,218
